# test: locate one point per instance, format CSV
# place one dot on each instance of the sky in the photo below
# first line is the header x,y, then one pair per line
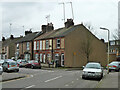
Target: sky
x,y
32,14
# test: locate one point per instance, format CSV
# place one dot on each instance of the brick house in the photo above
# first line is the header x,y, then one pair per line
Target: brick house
x,y
8,47
114,50
66,46
24,46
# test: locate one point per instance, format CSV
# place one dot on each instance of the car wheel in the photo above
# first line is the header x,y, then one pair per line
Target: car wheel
x,y
109,70
83,77
17,70
39,67
32,67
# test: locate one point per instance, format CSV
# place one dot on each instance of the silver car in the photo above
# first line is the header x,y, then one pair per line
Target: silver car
x,y
10,66
1,68
92,70
115,65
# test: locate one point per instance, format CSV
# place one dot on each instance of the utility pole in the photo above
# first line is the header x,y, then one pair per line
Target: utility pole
x,y
48,18
63,11
71,10
23,30
10,28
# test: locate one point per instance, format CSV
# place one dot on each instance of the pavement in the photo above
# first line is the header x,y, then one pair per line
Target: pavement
x,y
111,80
11,76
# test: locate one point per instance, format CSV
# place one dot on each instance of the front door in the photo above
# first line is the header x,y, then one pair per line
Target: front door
x,y
44,58
62,59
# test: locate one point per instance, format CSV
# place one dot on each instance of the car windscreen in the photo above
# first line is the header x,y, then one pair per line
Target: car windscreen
x,y
35,61
12,63
90,65
114,63
30,61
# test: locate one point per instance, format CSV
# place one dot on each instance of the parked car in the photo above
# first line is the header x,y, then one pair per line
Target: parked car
x,y
115,65
33,64
1,68
21,62
10,66
92,70
1,62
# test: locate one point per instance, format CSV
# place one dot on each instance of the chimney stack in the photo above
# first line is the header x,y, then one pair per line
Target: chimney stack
x,y
69,23
28,32
11,37
3,38
47,28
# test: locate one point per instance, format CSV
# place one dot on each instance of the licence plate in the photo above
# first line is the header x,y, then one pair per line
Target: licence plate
x,y
13,65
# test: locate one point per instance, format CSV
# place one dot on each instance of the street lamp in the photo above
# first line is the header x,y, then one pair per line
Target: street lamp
x,y
108,46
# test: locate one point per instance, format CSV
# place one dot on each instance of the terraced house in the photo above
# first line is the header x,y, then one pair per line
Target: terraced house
x,y
114,50
70,46
8,47
24,46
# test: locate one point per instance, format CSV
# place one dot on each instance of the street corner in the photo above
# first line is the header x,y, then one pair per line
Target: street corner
x,y
12,76
109,81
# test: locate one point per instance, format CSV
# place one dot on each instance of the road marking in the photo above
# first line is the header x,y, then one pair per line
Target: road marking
x,y
77,79
72,81
53,79
31,75
66,85
30,86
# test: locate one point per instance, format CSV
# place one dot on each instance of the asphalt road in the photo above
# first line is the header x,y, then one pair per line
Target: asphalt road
x,y
38,78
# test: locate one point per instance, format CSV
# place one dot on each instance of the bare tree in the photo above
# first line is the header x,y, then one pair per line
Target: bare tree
x,y
87,45
116,35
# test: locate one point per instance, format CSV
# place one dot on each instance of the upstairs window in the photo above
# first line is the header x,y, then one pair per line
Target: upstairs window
x,y
37,45
117,42
17,46
58,43
40,45
112,43
28,46
34,45
47,44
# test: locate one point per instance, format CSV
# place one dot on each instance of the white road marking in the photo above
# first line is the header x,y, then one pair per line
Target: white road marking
x,y
77,79
31,75
30,86
53,79
72,81
66,85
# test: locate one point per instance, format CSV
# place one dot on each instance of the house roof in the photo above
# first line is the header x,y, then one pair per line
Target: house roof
x,y
44,35
61,32
29,37
9,41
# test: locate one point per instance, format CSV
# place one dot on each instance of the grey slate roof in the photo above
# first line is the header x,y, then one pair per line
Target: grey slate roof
x,y
61,32
29,37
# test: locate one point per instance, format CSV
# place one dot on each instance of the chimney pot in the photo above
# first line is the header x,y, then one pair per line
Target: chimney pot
x,y
69,23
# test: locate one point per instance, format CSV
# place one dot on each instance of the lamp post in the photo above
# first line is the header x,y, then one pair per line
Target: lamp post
x,y
108,46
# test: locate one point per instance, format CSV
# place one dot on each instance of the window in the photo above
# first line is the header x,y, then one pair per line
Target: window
x,y
37,45
47,44
40,45
117,42
34,45
112,43
36,57
40,57
58,43
17,46
28,44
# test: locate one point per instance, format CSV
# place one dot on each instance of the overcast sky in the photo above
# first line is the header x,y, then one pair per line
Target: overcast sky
x,y
31,14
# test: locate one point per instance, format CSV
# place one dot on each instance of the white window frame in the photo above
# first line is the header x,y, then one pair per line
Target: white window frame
x,y
28,45
17,46
47,44
37,47
40,45
34,45
58,43
41,57
112,43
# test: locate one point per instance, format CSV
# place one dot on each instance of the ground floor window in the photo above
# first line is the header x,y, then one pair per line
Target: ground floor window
x,y
44,58
27,56
62,59
40,57
36,57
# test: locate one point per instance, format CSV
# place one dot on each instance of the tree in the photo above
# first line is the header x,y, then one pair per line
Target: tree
x,y
87,45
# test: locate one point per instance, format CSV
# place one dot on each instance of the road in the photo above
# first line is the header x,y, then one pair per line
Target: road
x,y
38,78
